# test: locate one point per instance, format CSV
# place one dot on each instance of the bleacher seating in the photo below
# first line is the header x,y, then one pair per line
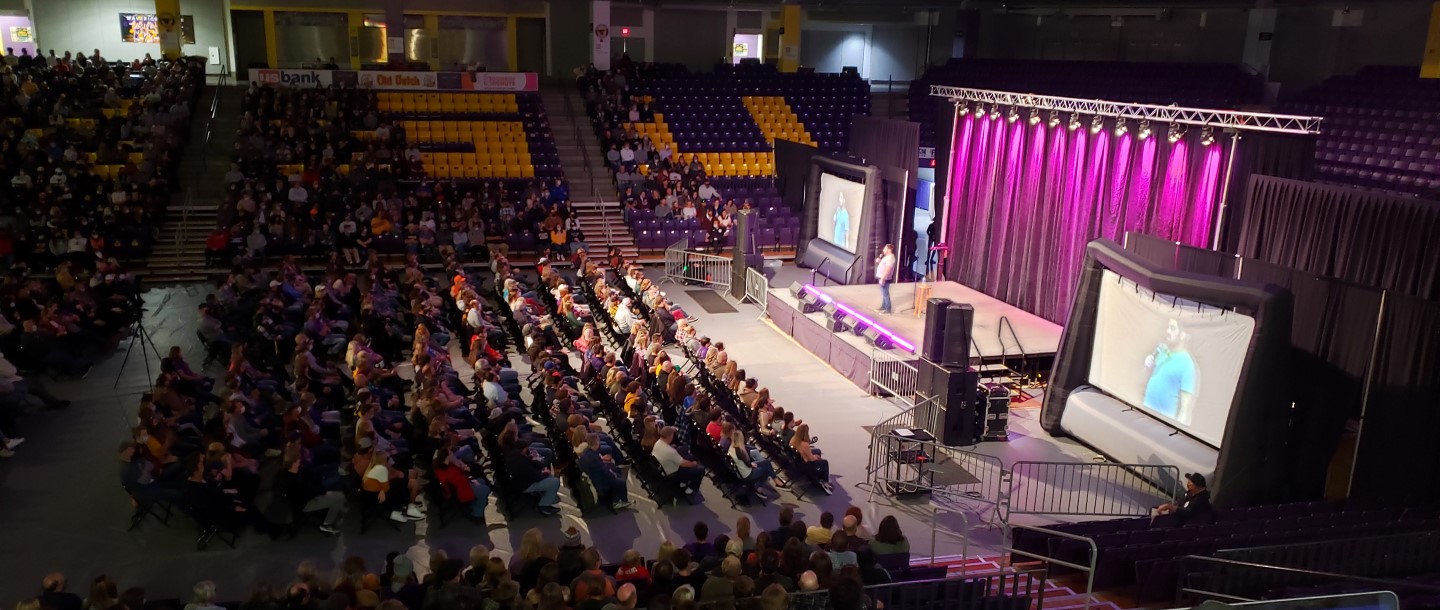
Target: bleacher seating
x,y
1139,551
470,136
1381,129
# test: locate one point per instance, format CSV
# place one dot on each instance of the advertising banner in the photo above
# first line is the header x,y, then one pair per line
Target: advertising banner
x,y
508,82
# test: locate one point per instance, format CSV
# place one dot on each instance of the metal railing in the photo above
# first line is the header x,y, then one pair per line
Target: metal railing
x,y
684,266
220,82
757,288
902,465
1088,569
1242,581
894,376
1104,489
1364,556
1016,584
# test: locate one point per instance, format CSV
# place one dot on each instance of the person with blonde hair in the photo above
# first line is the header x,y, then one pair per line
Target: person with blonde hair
x,y
800,442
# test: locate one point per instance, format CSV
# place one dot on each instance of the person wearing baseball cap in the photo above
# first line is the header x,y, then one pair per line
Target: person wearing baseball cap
x,y
1194,505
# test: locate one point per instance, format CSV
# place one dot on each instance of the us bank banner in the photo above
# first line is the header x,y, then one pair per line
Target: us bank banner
x,y
382,80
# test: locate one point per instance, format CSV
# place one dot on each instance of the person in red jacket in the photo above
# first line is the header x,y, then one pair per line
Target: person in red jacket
x,y
472,491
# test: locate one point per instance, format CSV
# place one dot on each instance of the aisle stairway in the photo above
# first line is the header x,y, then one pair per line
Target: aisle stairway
x,y
179,254
592,191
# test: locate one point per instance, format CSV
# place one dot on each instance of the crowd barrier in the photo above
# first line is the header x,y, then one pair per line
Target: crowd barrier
x,y
1088,489
894,376
757,287
684,266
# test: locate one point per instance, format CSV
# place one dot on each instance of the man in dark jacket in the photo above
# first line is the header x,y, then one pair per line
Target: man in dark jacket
x,y
531,477
609,483
1194,506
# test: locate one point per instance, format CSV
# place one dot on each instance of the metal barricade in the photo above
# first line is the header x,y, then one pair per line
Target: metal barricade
x,y
1098,489
894,376
902,465
683,266
675,261
757,286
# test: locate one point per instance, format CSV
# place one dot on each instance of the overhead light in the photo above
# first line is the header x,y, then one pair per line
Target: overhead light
x,y
1035,116
1121,127
1013,115
994,111
1097,123
979,110
1175,133
1207,136
1074,122
1054,118
1144,129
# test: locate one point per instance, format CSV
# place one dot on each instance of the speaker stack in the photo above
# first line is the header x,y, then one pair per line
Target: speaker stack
x,y
946,374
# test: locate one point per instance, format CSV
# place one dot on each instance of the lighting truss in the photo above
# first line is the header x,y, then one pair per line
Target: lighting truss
x,y
1219,119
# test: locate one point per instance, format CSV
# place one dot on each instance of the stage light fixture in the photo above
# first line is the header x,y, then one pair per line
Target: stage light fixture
x,y
1054,118
1144,129
860,328
1074,121
979,110
796,288
1035,116
1096,124
1207,136
1013,115
1121,127
994,111
1175,133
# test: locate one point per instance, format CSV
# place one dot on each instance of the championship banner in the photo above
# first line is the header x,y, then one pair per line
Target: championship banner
x,y
600,34
167,21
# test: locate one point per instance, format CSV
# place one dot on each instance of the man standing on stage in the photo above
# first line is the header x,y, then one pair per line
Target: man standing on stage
x,y
885,272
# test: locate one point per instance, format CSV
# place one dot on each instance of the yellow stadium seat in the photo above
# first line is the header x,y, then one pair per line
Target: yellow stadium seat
x,y
516,171
440,171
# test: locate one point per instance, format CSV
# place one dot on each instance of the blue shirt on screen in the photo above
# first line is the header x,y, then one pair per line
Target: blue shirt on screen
x,y
842,226
1174,373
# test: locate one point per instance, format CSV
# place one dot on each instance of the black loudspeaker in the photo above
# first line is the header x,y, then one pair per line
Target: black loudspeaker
x,y
746,255
959,321
962,418
932,344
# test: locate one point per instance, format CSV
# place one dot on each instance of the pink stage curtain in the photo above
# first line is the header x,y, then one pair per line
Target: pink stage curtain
x,y
1025,199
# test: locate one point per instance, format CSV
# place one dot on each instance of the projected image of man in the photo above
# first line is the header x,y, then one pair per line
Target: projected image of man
x,y
1170,390
842,224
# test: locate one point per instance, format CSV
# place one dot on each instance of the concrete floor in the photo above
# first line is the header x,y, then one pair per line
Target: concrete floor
x,y
62,508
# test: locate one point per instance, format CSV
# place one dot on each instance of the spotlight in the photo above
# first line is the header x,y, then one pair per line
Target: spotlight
x,y
860,328
1097,123
1144,129
994,111
1175,133
796,288
1035,117
1207,137
1074,122
1013,115
1054,118
1121,127
979,110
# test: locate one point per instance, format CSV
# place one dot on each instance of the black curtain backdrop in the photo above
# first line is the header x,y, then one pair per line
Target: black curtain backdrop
x,y
887,143
944,132
1368,238
1398,452
792,170
1157,251
1270,154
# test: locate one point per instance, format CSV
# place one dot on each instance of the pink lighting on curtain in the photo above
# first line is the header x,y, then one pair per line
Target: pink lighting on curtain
x,y
1026,199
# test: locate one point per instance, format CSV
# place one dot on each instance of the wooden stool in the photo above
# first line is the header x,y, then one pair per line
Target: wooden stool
x,y
922,294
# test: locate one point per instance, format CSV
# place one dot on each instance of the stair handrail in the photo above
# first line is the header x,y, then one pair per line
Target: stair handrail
x,y
1000,335
584,154
220,82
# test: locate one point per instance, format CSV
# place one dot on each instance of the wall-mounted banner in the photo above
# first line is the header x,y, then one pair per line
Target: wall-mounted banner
x,y
600,34
514,82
